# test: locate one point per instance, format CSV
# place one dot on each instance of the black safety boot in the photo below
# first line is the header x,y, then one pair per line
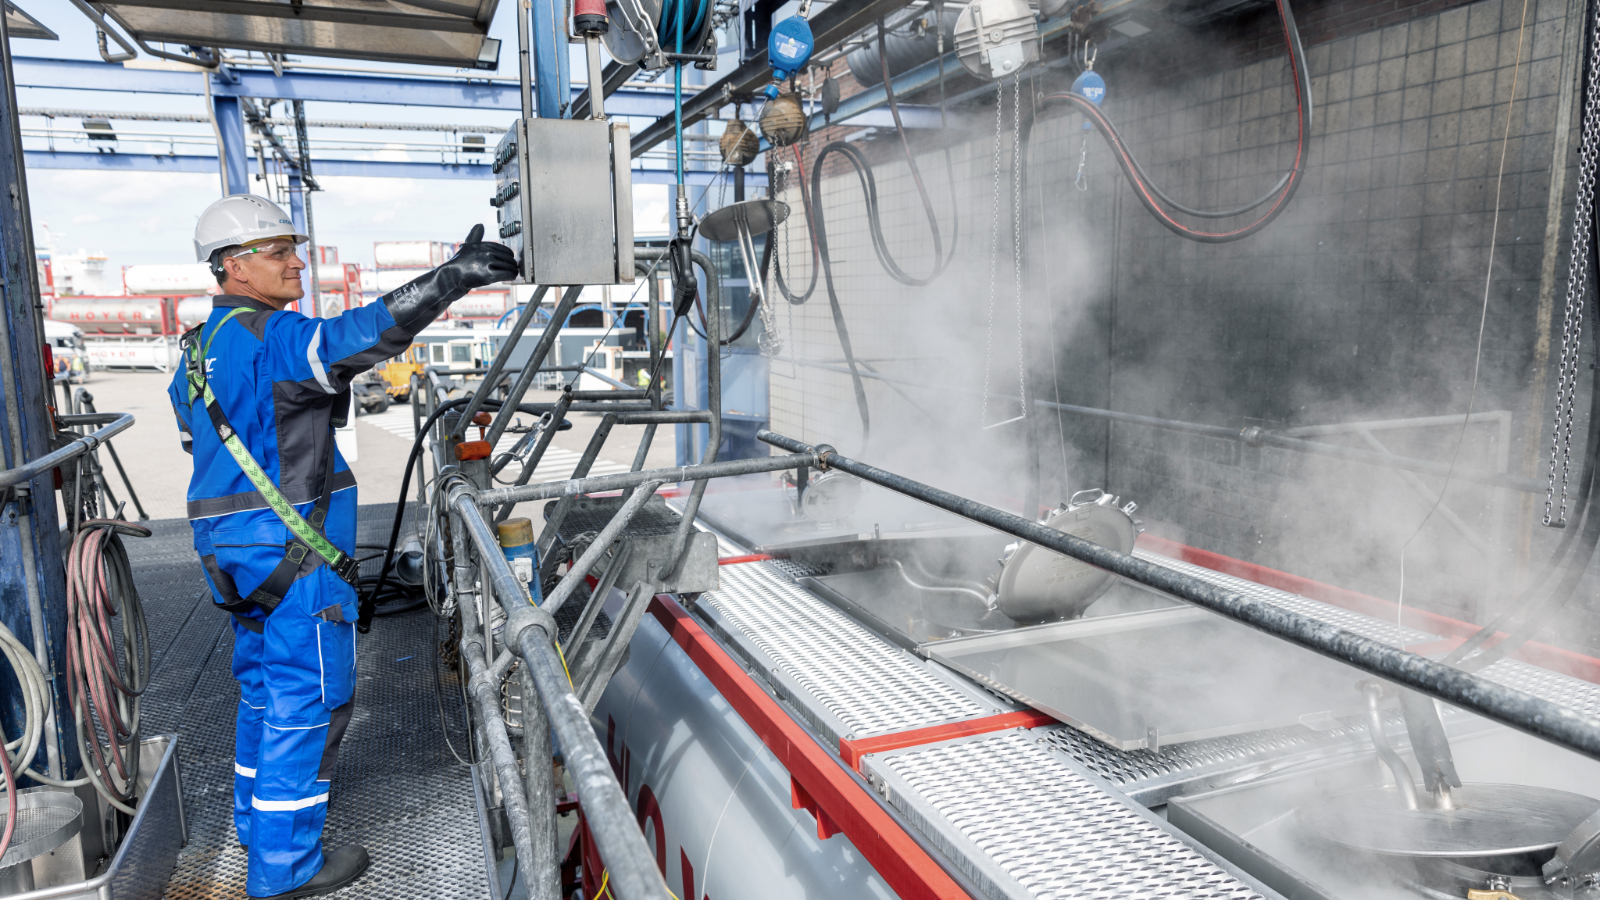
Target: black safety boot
x,y
339,868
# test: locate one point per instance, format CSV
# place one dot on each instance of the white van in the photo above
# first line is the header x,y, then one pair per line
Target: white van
x,y
66,345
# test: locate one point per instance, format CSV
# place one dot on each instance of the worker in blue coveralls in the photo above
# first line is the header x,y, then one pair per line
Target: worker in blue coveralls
x,y
273,506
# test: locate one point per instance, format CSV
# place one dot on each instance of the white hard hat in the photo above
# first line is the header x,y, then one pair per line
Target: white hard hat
x,y
240,219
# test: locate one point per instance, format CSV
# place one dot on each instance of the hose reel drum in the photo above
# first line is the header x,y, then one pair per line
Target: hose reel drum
x,y
640,35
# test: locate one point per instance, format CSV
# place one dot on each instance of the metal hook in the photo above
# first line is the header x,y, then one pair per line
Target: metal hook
x,y
1088,58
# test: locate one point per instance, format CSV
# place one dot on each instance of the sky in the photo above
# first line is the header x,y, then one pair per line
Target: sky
x,y
148,217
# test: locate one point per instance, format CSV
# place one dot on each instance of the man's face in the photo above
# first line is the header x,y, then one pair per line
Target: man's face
x,y
268,270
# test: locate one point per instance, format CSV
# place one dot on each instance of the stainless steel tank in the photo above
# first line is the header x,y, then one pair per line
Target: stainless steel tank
x,y
712,799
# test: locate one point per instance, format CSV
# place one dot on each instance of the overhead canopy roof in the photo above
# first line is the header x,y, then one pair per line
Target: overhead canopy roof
x,y
439,32
21,25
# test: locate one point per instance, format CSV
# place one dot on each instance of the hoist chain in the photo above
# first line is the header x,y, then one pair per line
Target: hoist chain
x,y
1016,238
1577,284
1016,229
994,246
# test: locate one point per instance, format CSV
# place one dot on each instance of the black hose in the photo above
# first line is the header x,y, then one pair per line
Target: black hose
x,y
369,601
1152,197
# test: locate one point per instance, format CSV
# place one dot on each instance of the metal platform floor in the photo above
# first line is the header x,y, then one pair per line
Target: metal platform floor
x,y
397,789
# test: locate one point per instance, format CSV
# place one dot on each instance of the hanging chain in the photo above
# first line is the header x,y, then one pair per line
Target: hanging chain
x,y
994,246
769,341
1082,182
1016,229
1577,283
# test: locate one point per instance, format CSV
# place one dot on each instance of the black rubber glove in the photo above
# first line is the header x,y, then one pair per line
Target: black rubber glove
x,y
479,263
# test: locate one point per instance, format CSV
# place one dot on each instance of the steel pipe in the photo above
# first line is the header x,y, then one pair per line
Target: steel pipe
x,y
597,547
1522,711
632,866
486,696
624,480
492,378
1254,437
76,448
547,339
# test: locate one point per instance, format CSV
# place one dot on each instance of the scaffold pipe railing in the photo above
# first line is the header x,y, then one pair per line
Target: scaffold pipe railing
x,y
1522,711
630,864
119,422
625,480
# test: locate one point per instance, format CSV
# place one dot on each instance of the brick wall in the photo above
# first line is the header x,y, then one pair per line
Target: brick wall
x,y
1361,302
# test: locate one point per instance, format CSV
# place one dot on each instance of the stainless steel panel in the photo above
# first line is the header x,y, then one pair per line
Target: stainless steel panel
x,y
21,25
1023,821
149,850
1164,676
622,195
570,233
1255,823
441,32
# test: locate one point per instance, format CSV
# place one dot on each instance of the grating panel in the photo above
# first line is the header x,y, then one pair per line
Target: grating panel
x,y
1024,822
870,686
590,514
1366,626
1580,696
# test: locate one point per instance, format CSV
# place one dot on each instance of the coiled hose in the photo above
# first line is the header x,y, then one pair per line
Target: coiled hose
x,y
1156,201
104,686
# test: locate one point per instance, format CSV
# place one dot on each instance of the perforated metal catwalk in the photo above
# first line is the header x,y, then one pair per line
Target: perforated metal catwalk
x,y
397,790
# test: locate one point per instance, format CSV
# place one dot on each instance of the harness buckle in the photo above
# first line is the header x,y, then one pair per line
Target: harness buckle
x,y
349,569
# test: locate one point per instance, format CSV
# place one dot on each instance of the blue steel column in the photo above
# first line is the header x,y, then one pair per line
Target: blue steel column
x,y
297,215
549,61
26,436
233,157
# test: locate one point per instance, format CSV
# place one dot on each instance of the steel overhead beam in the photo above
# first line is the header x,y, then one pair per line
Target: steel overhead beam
x,y
857,107
86,75
829,27
355,168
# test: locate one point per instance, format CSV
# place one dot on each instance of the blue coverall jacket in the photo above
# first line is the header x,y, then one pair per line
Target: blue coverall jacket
x,y
279,376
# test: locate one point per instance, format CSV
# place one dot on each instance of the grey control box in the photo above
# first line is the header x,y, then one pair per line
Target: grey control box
x,y
564,191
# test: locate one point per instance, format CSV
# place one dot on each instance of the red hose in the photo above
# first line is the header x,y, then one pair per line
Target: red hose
x,y
1147,195
11,802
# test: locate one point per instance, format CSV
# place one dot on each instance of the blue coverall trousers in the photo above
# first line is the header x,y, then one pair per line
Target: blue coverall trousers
x,y
296,687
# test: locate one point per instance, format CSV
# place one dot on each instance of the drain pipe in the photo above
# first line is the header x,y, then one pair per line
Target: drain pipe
x,y
1524,712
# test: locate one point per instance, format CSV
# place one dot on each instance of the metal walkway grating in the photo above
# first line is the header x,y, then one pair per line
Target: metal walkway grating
x,y
870,686
397,789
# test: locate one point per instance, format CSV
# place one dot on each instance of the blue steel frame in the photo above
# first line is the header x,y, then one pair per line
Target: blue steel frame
x,y
361,168
18,313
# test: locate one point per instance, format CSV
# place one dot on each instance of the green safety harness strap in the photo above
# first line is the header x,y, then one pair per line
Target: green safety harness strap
x,y
307,532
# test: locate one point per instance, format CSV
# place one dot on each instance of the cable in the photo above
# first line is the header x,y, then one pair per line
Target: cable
x,y
1153,197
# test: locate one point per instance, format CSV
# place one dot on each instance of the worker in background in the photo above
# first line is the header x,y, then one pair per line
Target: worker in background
x,y
643,377
273,507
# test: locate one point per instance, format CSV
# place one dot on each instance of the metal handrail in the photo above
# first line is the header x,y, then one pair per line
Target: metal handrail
x,y
630,863
79,446
1522,711
633,873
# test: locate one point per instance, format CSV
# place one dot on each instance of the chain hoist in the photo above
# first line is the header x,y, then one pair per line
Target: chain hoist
x,y
1555,515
